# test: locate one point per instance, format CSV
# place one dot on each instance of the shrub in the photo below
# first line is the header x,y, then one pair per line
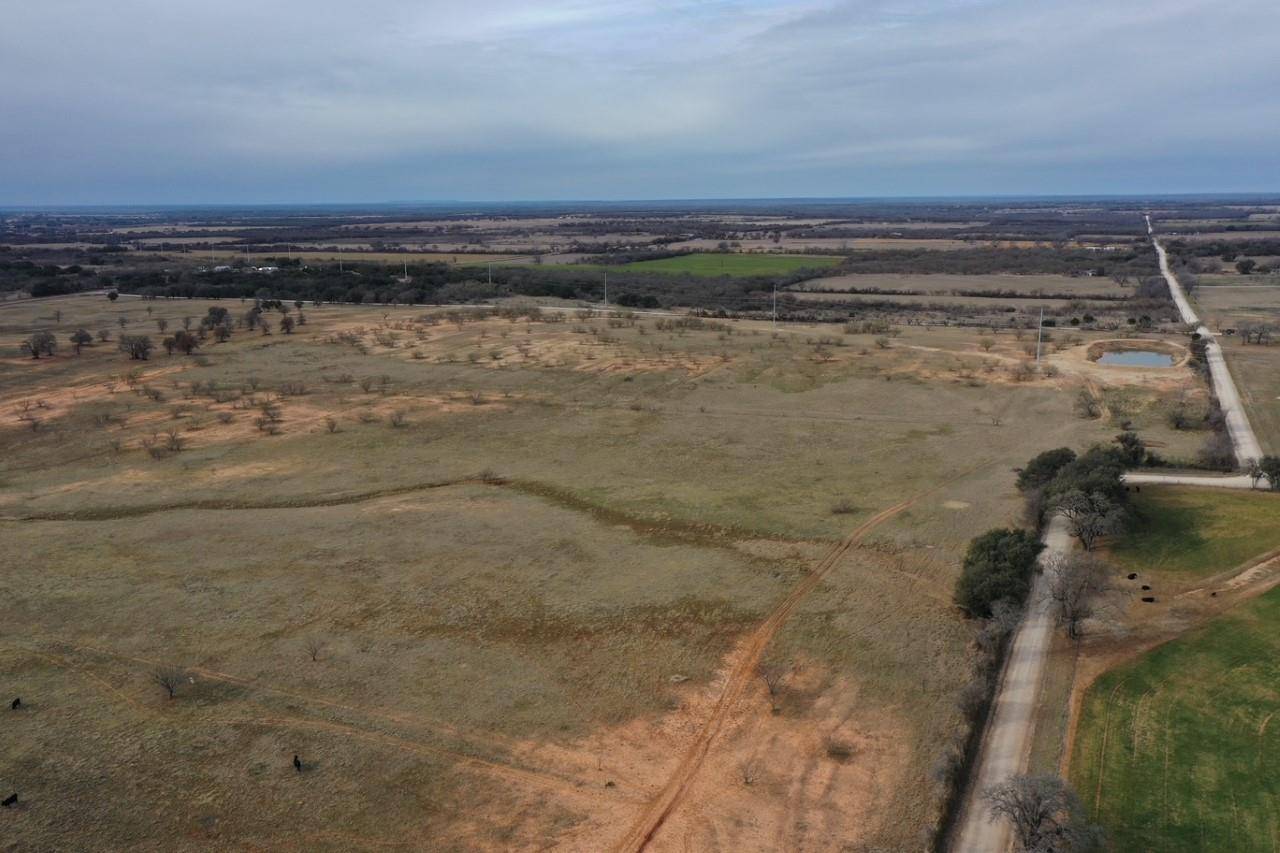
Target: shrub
x,y
1044,467
997,565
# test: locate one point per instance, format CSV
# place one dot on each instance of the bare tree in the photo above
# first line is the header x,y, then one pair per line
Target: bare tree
x,y
314,647
137,346
1255,472
1075,582
1046,814
169,678
774,674
1090,516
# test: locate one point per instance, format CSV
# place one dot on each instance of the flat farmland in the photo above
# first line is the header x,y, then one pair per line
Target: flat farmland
x,y
724,263
1256,368
495,577
1176,746
942,285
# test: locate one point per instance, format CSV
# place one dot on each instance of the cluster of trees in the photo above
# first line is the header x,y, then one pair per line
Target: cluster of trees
x,y
1257,333
1087,490
45,279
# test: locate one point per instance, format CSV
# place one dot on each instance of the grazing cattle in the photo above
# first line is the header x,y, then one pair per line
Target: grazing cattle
x,y
15,704
297,764
11,800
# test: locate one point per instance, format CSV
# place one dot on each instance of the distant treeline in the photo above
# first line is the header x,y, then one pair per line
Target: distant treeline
x,y
1225,249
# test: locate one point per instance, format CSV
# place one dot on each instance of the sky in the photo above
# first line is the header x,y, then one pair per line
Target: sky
x,y
311,101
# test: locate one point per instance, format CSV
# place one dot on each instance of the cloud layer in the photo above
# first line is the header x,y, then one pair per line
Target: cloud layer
x,y
138,101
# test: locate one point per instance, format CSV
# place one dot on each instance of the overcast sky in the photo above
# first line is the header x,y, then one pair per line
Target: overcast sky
x,y
171,101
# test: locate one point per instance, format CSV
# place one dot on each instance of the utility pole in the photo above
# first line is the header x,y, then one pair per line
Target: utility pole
x,y
490,274
775,305
606,289
1039,334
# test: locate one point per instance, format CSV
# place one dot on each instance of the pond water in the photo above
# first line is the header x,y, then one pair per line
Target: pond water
x,y
1137,358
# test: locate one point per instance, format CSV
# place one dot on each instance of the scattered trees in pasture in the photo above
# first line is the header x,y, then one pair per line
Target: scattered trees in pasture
x,y
40,343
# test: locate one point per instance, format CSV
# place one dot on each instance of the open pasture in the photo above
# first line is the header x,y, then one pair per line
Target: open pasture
x,y
524,554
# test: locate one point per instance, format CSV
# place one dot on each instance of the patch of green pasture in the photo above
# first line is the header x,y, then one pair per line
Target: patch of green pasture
x,y
1177,751
1193,532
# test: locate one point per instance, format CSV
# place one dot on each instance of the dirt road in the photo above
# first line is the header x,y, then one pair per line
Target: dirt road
x,y
1008,738
1233,481
1242,436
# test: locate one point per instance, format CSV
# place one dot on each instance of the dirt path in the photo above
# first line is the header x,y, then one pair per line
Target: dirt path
x,y
652,817
1007,741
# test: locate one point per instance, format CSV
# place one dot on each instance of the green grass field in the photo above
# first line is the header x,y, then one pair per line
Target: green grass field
x,y
1189,533
1178,751
718,264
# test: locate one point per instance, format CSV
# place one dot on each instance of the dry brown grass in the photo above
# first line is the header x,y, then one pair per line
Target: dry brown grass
x,y
532,588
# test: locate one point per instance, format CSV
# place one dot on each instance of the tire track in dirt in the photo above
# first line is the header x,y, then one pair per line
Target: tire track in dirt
x,y
652,818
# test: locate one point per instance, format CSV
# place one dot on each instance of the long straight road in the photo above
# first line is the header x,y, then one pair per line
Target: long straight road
x,y
1243,439
1006,744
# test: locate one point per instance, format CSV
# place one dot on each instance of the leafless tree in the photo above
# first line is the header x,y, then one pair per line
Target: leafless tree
x,y
774,675
314,646
1075,582
1046,814
1090,516
1255,472
169,678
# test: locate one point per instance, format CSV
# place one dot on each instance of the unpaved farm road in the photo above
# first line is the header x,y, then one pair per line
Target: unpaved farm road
x,y
1004,750
1242,435
1007,741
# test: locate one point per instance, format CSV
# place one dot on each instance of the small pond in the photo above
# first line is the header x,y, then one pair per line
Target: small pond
x,y
1137,358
